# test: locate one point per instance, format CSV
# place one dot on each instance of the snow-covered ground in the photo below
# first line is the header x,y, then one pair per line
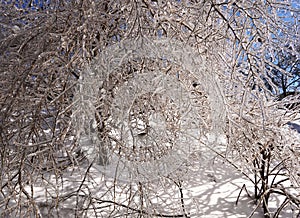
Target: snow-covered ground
x,y
211,188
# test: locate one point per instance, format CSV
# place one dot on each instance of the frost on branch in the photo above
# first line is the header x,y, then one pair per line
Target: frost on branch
x,y
153,102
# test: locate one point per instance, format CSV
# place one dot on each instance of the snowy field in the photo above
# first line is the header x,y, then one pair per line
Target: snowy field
x,y
210,188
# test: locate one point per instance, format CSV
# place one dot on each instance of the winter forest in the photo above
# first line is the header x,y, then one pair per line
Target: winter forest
x,y
150,108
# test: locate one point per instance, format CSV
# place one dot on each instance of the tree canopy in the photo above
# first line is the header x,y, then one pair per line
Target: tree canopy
x,y
250,49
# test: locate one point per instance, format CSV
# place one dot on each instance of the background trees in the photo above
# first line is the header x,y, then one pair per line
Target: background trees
x,y
252,47
287,61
